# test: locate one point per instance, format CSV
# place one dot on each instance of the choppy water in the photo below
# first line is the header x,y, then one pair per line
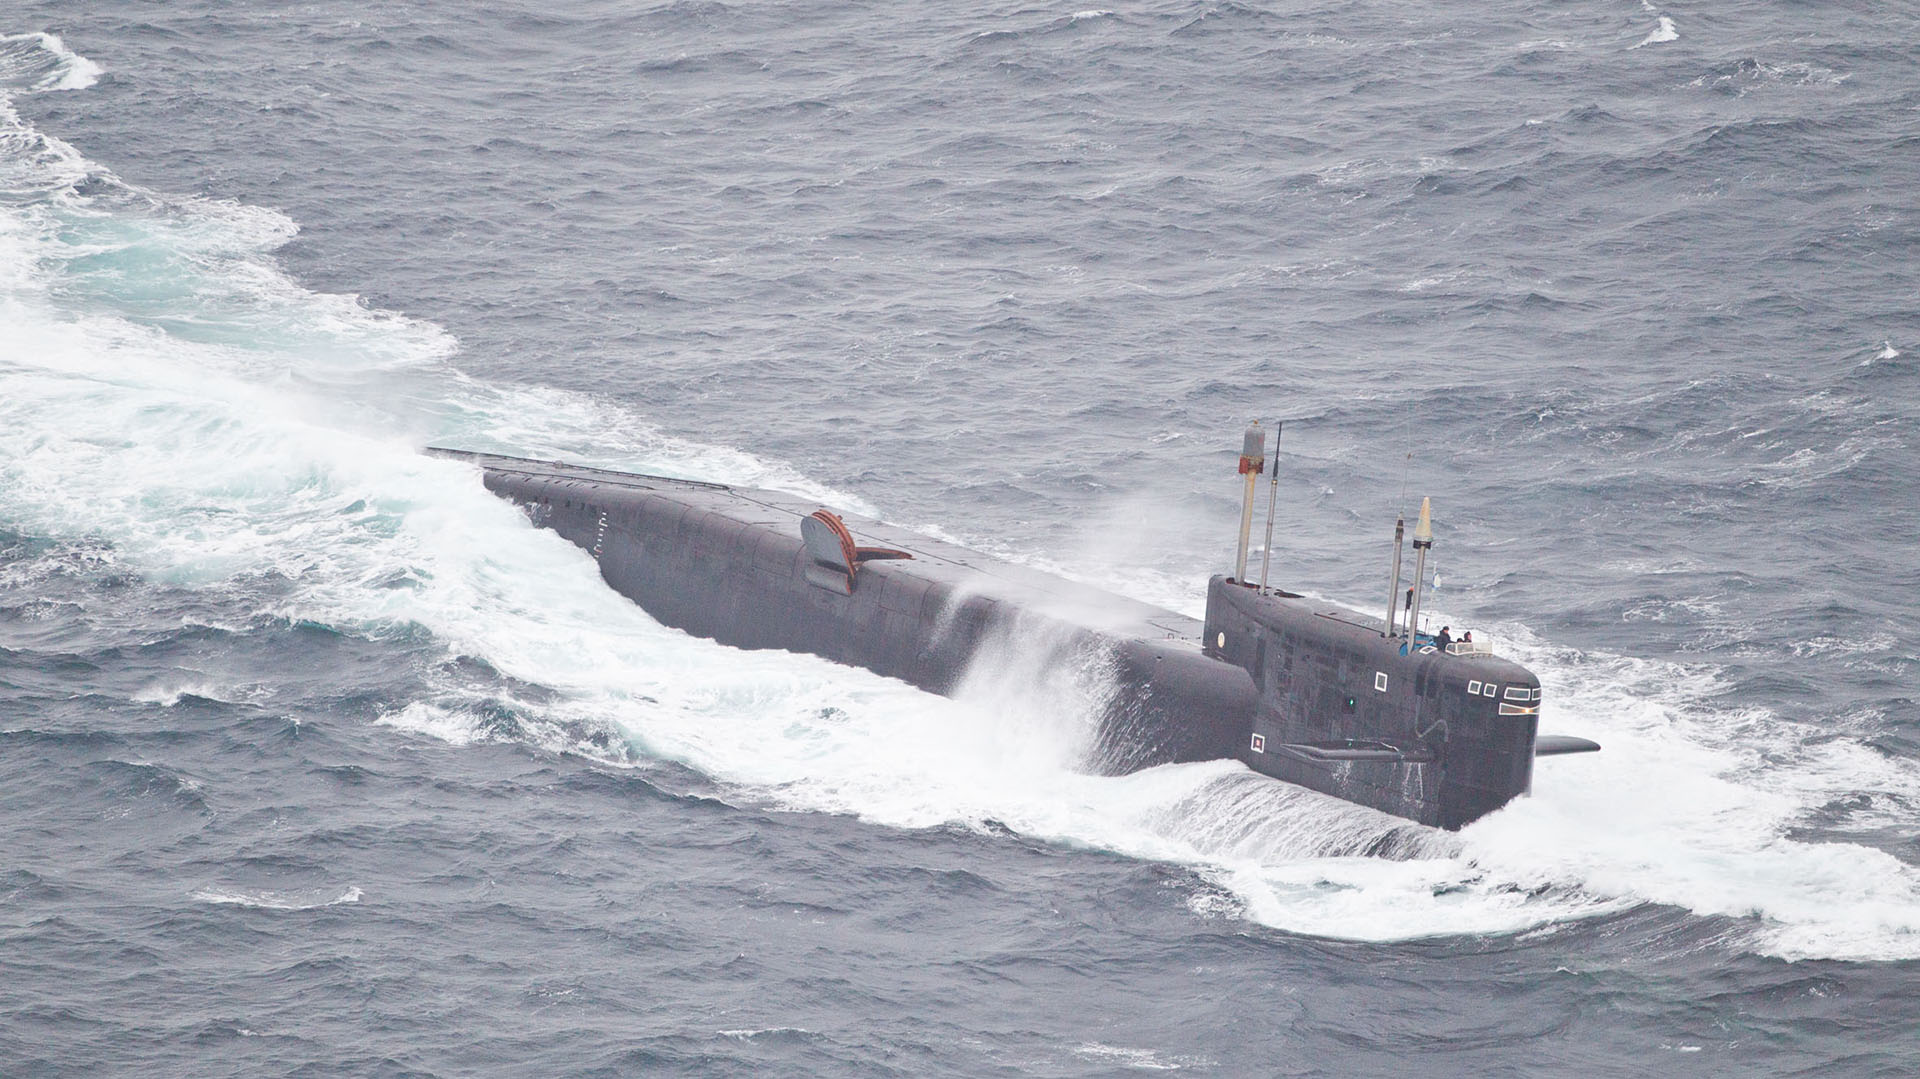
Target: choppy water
x,y
317,760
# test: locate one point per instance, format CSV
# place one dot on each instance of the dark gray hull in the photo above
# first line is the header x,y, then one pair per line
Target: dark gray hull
x,y
1275,671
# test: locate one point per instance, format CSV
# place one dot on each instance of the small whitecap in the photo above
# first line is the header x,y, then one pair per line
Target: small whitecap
x,y
747,1034
1661,33
1133,1059
169,693
458,728
275,900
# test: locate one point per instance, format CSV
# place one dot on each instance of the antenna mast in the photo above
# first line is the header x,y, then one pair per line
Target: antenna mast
x,y
1393,587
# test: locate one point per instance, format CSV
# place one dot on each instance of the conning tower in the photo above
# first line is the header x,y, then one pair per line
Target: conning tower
x,y
1442,733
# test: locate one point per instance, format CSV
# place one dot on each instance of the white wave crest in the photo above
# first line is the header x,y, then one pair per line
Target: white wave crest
x,y
1664,32
169,693
41,62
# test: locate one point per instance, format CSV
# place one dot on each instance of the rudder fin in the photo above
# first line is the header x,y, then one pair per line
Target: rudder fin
x,y
1554,745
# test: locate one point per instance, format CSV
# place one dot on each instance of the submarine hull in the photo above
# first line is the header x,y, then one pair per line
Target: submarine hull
x,y
1306,693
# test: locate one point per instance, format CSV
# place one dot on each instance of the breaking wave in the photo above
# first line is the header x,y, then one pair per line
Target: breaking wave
x,y
1664,32
40,62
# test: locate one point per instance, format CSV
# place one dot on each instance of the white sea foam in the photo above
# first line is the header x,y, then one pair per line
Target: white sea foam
x,y
1137,1059
247,427
1694,807
446,724
1750,75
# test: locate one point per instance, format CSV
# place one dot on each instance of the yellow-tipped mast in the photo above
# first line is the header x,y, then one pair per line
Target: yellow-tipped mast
x,y
1422,542
1253,461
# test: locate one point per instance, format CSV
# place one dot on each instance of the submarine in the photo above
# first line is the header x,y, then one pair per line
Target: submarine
x,y
1369,710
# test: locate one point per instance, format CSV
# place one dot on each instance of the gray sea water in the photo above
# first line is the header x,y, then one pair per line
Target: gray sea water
x,y
316,760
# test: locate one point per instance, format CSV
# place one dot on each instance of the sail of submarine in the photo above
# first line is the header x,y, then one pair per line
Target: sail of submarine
x,y
1310,693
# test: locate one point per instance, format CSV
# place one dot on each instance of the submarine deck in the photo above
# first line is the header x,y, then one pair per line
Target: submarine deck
x,y
962,569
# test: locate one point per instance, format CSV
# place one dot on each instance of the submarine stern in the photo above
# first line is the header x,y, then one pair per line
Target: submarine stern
x,y
763,569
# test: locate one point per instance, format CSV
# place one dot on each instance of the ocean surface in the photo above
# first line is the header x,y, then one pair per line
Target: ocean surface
x,y
317,760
